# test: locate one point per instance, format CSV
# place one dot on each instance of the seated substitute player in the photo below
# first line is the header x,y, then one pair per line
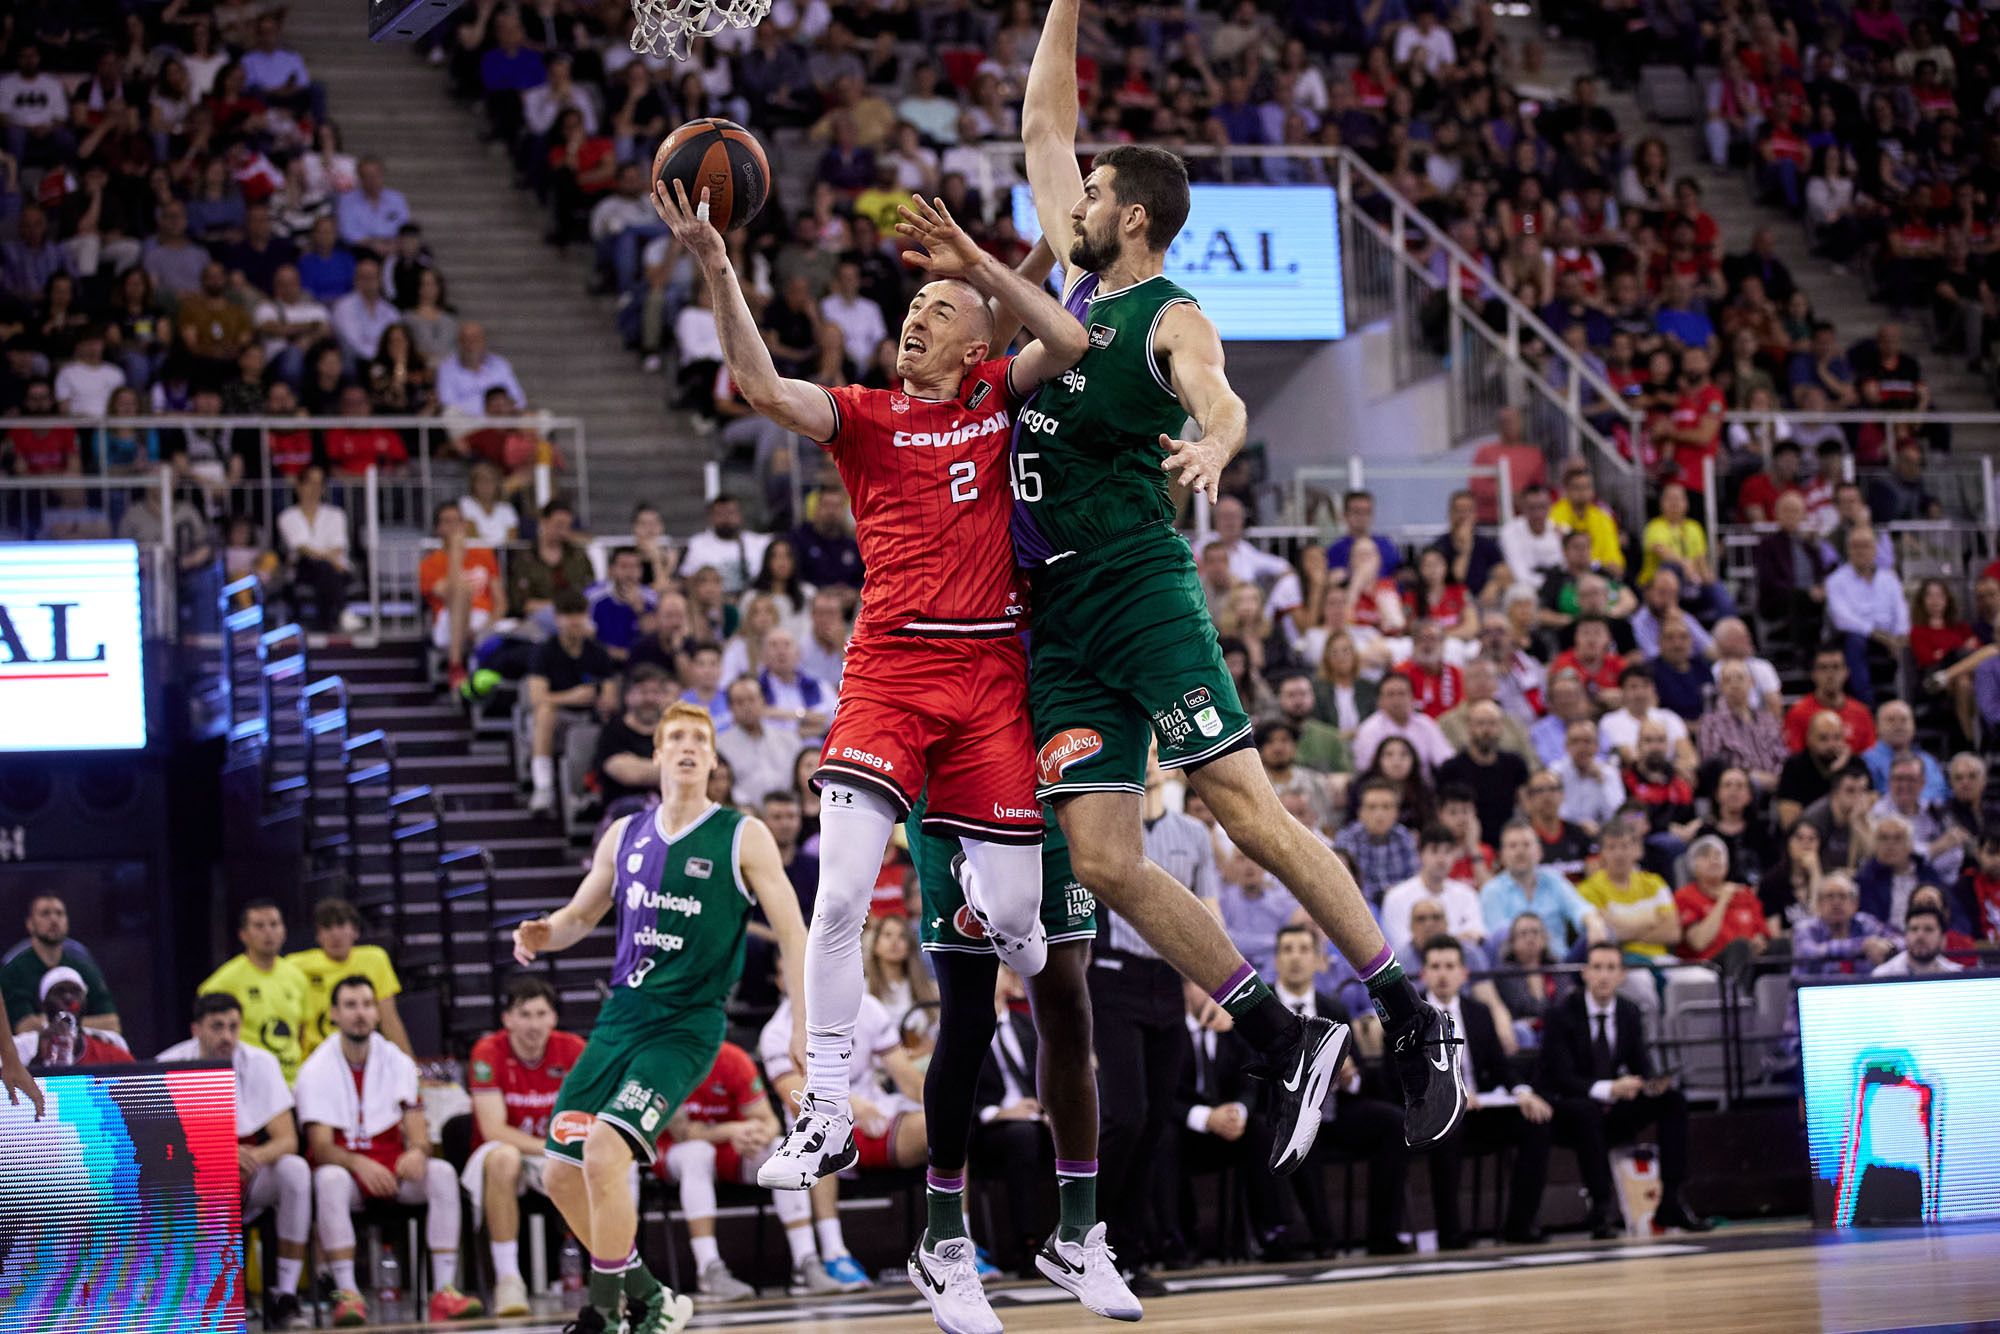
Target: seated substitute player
x,y
721,1133
63,992
514,1077
1124,649
267,1145
364,1119
934,693
682,877
1075,1256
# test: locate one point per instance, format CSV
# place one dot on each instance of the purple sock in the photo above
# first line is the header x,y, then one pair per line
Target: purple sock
x,y
1378,963
949,1185
1076,1167
1235,983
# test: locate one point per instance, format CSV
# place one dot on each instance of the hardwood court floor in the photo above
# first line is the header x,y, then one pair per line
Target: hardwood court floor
x,y
1747,1279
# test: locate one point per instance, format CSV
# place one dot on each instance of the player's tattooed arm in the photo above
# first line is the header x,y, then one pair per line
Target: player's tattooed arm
x,y
796,405
586,908
764,871
1188,343
1048,121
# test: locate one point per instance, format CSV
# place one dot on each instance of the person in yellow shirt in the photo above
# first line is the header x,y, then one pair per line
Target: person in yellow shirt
x,y
1637,905
337,929
1578,509
271,991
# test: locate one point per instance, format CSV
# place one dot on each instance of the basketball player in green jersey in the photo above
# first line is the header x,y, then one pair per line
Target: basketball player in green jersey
x,y
1122,640
683,877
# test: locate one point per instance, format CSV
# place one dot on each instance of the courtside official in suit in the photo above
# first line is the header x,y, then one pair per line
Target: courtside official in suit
x,y
1597,1072
1503,1109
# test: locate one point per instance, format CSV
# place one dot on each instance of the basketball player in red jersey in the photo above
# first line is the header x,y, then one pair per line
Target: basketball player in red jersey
x,y
934,695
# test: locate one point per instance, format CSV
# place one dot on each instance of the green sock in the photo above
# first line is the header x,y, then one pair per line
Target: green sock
x,y
1076,1198
1395,999
639,1281
1260,1017
945,1208
607,1292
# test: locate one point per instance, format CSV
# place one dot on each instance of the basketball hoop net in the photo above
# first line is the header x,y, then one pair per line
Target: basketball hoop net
x,y
667,27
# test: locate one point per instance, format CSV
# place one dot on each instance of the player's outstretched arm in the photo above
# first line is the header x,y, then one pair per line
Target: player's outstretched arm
x,y
764,870
585,909
1192,349
796,405
1048,123
1035,268
1060,341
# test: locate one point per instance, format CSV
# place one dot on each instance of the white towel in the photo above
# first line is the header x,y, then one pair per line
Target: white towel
x,y
325,1089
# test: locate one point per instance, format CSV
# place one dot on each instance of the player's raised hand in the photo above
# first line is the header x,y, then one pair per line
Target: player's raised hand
x,y
20,1082
1196,464
530,939
947,251
689,222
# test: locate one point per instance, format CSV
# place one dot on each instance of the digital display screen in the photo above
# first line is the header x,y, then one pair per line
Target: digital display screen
x,y
119,1210
71,647
1263,260
1902,1084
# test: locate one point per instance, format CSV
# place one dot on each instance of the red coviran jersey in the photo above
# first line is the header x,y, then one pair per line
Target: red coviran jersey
x,y
528,1090
929,480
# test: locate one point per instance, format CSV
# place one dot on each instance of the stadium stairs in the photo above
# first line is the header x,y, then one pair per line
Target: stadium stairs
x,y
1731,198
419,820
488,241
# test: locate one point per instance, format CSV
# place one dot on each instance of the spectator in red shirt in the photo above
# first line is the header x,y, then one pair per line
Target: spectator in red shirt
x,y
40,451
514,1077
1696,428
1715,911
1437,685
583,167
1978,889
351,449
1665,795
1591,658
1829,694
1757,500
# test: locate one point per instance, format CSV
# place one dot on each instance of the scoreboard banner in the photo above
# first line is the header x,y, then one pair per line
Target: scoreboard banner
x,y
119,1210
1902,1085
71,647
1263,260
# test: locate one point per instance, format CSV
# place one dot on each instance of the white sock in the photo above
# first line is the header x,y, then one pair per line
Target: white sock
x,y
706,1252
343,1275
855,826
288,1274
831,1244
800,1239
444,1269
542,769
506,1259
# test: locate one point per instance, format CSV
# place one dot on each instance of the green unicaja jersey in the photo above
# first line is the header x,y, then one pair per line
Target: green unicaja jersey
x,y
1087,446
682,908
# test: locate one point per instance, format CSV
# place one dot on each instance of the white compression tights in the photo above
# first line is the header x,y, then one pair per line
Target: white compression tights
x,y
854,829
1004,882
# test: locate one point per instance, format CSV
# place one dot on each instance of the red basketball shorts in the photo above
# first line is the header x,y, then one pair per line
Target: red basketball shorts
x,y
950,715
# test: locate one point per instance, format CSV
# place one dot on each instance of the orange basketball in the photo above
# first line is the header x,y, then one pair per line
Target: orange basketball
x,y
723,157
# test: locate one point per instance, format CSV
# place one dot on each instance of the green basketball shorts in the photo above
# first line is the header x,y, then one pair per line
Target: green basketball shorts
x,y
639,1067
1069,911
1123,650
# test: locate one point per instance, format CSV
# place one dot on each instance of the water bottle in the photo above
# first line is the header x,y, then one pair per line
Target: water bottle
x,y
389,1277
570,1265
65,1044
